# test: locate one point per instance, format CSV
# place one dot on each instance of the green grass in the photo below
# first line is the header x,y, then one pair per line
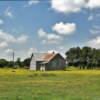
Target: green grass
x,y
20,84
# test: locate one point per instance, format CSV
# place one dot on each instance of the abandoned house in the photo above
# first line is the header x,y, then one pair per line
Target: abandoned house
x,y
47,61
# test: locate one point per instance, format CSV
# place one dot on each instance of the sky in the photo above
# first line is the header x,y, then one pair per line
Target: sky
x,y
47,25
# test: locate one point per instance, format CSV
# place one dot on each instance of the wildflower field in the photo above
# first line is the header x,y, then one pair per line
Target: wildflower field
x,y
21,84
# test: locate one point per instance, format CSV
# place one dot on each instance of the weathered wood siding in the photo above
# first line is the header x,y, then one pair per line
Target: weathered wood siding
x,y
33,64
58,63
36,57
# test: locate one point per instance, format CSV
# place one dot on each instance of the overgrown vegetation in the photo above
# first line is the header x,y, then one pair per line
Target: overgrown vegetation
x,y
21,84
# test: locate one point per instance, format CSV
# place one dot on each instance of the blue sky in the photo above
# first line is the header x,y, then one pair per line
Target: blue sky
x,y
46,25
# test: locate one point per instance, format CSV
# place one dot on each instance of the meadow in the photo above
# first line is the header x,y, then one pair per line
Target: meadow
x,y
21,84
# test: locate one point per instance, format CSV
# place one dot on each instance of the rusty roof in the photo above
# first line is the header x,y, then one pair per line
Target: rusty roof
x,y
48,57
45,57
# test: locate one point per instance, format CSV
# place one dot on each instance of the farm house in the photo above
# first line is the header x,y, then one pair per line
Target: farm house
x,y
47,61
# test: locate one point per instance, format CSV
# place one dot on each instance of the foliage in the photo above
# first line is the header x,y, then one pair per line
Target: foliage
x,y
19,63
26,62
3,63
85,57
15,64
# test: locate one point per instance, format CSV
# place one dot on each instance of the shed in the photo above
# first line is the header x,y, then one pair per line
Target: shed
x,y
47,61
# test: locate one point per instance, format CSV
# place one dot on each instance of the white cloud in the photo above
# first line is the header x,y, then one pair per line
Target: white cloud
x,y
22,39
53,38
73,6
93,4
6,38
95,42
64,29
1,22
49,38
67,6
8,12
60,29
3,44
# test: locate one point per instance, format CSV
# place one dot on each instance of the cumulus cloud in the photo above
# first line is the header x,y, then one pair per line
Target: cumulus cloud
x,y
53,38
67,6
73,6
49,38
60,29
93,4
8,12
6,38
95,42
64,28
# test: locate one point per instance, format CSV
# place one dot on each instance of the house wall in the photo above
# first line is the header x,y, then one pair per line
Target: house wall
x,y
36,57
38,65
58,63
33,64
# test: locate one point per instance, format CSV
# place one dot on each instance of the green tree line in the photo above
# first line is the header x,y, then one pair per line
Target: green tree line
x,y
84,58
15,64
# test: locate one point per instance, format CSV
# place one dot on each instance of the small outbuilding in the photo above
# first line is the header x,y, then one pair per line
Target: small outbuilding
x,y
47,61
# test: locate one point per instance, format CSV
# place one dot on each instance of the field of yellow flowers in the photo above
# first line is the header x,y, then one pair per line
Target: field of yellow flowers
x,y
21,84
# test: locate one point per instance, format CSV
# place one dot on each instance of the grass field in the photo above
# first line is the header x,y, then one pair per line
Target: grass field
x,y
62,85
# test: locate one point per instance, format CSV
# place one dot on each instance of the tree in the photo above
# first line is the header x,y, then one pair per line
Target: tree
x,y
3,63
73,56
10,64
26,62
86,58
19,63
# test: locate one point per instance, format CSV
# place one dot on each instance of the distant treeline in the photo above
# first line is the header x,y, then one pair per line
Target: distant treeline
x,y
15,64
84,58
